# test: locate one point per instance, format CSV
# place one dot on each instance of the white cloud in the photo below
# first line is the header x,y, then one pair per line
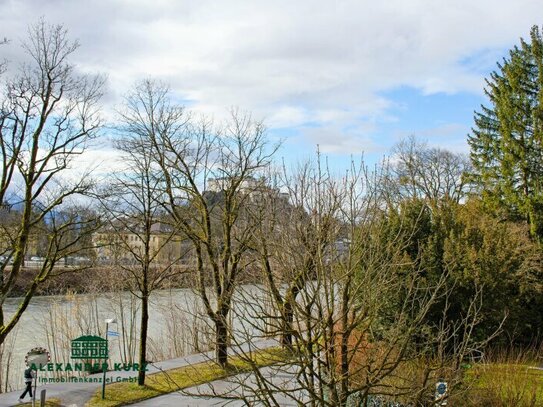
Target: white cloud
x,y
450,135
292,62
332,139
288,116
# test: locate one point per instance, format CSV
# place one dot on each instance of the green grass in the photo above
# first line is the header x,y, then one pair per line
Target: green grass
x,y
504,385
157,384
512,384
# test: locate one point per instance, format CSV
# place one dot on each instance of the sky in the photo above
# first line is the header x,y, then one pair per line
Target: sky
x,y
350,77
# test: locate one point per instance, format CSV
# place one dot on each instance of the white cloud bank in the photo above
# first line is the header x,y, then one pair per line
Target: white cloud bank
x,y
294,63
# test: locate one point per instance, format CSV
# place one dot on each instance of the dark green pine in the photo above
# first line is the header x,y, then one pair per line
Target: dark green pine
x,y
507,138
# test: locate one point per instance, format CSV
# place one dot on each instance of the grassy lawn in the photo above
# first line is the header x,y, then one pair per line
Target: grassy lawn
x,y
156,384
505,384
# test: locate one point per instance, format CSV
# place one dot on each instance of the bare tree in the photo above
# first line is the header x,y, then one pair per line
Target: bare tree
x,y
287,238
148,246
210,174
358,325
422,172
48,115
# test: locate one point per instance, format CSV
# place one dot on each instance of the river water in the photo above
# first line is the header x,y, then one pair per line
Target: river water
x,y
177,325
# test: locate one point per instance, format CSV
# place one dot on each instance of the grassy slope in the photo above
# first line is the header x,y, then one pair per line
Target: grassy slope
x,y
505,384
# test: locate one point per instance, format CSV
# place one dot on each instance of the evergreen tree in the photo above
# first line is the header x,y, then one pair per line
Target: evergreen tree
x,y
507,140
499,257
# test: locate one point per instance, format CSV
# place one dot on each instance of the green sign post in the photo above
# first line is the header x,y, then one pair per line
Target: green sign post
x,y
107,321
92,347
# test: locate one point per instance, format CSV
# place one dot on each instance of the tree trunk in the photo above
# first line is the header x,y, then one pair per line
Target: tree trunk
x,y
143,338
221,341
288,320
345,331
344,380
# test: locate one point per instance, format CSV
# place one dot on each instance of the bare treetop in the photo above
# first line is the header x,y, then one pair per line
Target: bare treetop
x,y
48,115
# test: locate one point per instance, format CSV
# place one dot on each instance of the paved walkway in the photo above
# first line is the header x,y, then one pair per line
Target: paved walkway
x,y
77,394
224,392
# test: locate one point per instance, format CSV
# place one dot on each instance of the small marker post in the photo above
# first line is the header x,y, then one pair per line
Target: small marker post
x,y
441,393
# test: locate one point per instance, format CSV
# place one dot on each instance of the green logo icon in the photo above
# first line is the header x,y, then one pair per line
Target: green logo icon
x,y
89,347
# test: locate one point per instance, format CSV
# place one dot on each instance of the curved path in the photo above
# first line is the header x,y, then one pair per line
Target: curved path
x,y
77,394
217,393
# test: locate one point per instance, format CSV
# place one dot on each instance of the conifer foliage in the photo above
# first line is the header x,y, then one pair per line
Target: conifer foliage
x,y
507,140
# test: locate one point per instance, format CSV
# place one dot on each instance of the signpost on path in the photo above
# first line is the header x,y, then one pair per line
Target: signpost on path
x,y
108,321
42,398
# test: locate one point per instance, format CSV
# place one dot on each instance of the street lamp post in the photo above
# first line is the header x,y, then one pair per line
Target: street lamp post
x,y
108,321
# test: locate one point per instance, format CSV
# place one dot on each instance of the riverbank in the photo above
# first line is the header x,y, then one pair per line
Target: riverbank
x,y
72,280
80,394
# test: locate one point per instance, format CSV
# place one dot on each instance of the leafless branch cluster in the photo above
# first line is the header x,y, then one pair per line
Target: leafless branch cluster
x,y
349,307
48,115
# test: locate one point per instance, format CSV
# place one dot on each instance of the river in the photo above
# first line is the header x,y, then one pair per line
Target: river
x,y
176,324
